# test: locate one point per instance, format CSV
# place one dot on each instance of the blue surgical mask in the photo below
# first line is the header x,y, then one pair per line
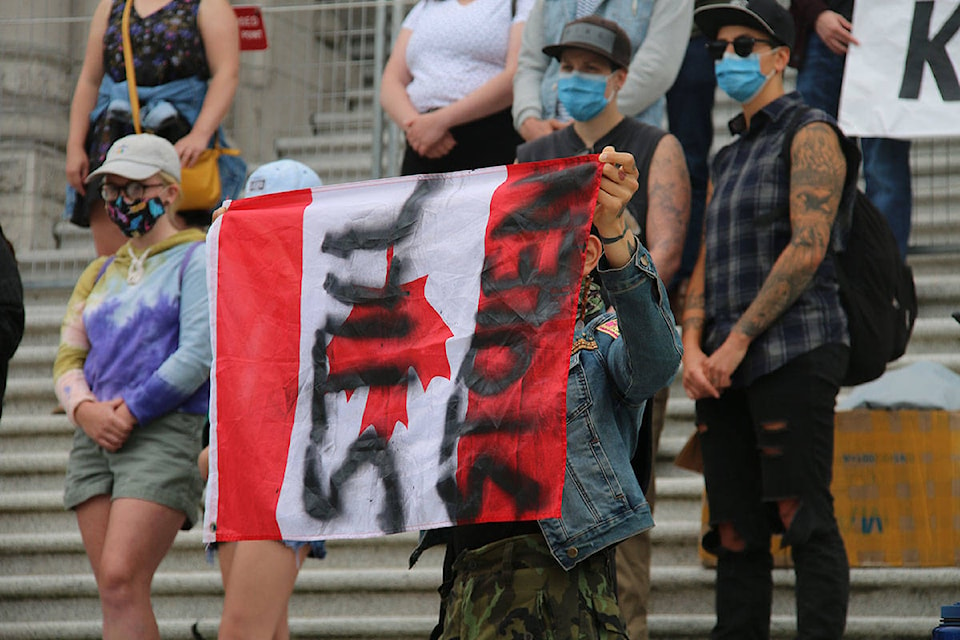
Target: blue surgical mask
x,y
135,218
583,95
741,78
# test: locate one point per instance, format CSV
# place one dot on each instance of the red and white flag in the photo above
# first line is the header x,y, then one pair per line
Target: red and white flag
x,y
392,355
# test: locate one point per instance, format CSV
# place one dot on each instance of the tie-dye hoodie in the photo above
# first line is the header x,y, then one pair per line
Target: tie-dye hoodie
x,y
148,343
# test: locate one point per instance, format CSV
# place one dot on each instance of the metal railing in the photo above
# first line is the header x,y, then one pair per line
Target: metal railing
x,y
312,96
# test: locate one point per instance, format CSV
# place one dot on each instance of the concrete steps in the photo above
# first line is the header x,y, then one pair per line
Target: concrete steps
x,y
345,628
43,318
46,571
363,589
320,593
335,168
939,294
674,627
66,553
331,606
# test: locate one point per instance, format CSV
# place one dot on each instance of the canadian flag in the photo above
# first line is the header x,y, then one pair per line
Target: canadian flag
x,y
392,355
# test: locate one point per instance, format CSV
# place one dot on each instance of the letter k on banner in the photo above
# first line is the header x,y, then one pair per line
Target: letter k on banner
x,y
902,81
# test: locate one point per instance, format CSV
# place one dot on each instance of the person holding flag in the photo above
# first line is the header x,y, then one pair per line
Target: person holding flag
x,y
555,577
594,58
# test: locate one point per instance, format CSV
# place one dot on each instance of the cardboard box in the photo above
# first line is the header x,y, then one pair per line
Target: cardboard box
x,y
896,487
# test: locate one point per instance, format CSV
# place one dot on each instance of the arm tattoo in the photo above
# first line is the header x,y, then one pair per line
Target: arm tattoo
x,y
668,205
693,311
696,302
816,185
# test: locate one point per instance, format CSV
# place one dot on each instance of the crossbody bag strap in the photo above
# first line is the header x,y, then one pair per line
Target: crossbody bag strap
x,y
186,258
128,66
103,268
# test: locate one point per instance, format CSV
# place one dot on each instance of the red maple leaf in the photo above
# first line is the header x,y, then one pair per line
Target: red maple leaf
x,y
422,347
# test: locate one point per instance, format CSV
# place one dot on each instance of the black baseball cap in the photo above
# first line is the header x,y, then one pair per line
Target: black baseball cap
x,y
763,15
597,35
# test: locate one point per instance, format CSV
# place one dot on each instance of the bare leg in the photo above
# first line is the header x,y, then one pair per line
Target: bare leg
x,y
107,237
92,518
225,551
139,534
258,583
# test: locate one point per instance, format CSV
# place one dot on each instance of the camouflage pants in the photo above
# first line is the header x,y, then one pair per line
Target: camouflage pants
x,y
515,589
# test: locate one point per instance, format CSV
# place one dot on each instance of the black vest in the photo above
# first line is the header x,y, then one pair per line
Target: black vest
x,y
631,135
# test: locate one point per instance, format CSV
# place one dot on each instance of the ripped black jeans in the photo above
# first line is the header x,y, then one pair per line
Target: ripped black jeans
x,y
767,442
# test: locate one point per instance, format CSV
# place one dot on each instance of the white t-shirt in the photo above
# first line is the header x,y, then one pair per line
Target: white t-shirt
x,y
455,48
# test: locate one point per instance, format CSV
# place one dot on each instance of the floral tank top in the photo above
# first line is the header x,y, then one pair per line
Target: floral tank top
x,y
166,44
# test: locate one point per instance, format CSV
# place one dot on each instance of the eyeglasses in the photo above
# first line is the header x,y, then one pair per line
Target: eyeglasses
x,y
131,190
742,46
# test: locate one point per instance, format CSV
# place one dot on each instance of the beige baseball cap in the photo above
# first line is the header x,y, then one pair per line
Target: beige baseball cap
x,y
139,156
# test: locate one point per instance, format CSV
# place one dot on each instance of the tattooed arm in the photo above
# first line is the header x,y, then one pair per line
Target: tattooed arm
x,y
695,380
668,207
816,185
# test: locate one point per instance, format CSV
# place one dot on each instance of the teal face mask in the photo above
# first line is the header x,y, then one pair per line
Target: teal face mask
x,y
584,95
741,78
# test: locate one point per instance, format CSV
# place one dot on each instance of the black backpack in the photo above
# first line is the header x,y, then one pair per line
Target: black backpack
x,y
876,286
877,292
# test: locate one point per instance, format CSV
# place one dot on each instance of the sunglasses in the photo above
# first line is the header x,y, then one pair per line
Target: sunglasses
x,y
131,190
742,46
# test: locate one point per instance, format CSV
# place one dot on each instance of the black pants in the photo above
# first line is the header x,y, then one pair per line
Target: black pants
x,y
767,442
488,142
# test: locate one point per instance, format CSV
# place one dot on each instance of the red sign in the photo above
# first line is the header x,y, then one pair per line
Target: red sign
x,y
253,36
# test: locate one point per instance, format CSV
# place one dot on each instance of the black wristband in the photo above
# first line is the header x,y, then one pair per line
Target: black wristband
x,y
612,240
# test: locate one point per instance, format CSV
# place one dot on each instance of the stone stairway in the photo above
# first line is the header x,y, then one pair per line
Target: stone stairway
x,y
364,589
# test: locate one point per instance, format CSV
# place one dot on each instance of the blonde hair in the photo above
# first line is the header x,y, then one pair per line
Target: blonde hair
x,y
168,179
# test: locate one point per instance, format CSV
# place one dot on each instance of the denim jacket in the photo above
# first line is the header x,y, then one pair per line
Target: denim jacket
x,y
616,363
186,96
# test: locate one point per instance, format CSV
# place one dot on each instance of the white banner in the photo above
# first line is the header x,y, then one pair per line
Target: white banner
x,y
902,80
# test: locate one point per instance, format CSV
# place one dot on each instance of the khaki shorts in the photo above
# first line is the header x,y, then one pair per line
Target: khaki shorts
x,y
157,463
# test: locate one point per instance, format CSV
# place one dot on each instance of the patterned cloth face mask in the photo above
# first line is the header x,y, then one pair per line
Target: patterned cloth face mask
x,y
135,218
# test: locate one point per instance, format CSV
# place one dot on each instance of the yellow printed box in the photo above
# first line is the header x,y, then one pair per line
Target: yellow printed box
x,y
896,487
